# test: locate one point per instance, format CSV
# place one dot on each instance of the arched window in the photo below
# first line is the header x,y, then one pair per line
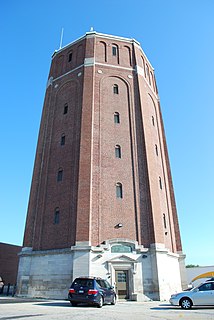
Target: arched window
x,y
115,89
128,55
153,121
114,50
56,216
115,53
117,151
70,54
103,50
116,117
160,183
156,149
147,73
59,175
164,220
62,142
143,65
65,108
119,190
151,78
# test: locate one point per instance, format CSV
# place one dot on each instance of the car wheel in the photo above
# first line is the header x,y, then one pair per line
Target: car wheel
x,y
186,303
113,300
74,304
100,303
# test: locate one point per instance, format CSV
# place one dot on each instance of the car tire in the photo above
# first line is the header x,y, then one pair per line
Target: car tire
x,y
186,303
100,303
74,304
113,300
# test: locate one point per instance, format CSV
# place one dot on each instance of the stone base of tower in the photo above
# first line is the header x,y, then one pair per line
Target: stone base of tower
x,y
138,273
44,274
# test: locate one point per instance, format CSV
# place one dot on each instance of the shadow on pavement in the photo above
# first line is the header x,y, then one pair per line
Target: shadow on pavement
x,y
170,307
66,304
164,307
54,304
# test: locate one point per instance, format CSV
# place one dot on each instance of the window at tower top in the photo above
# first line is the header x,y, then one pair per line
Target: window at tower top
x,y
70,56
114,50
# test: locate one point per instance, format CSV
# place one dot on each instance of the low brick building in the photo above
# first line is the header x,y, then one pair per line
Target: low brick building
x,y
9,262
102,200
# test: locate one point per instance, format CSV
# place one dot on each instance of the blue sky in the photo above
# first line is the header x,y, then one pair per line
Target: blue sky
x,y
177,37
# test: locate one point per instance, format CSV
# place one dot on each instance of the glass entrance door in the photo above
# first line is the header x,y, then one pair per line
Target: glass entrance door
x,y
121,277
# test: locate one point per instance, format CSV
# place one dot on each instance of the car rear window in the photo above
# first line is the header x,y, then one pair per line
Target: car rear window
x,y
83,283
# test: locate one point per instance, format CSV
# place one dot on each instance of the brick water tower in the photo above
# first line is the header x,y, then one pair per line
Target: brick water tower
x,y
102,200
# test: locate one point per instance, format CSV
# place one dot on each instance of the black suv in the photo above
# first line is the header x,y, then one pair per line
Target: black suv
x,y
91,290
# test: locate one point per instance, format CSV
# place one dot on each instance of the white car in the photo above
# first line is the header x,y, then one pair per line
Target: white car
x,y
202,295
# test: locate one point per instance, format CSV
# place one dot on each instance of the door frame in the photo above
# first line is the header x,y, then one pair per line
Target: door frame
x,y
127,283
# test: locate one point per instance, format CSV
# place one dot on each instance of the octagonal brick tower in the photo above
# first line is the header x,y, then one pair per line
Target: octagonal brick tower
x,y
102,200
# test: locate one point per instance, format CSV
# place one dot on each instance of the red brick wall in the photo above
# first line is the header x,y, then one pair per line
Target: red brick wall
x,y
86,196
9,262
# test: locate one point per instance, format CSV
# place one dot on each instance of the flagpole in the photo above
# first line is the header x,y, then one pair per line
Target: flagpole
x,y
60,46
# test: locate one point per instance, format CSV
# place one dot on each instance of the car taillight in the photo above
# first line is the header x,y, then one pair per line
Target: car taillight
x,y
71,290
92,291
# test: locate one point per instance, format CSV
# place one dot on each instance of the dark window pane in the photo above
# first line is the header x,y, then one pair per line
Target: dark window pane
x,y
59,175
114,50
56,217
153,120
62,140
164,220
65,109
119,191
115,89
160,183
70,57
117,151
156,149
116,117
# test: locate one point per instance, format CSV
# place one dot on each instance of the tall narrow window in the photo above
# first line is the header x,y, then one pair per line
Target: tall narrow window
x,y
119,190
70,56
114,50
143,65
160,183
56,216
151,78
147,71
62,142
164,220
115,89
117,151
65,108
116,117
59,175
156,150
153,121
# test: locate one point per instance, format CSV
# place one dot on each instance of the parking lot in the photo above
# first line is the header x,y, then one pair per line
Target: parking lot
x,y
14,308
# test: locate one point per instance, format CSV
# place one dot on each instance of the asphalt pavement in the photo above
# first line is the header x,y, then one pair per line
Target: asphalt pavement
x,y
42,309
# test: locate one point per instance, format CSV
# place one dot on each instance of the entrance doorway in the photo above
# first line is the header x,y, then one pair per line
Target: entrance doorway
x,y
121,279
